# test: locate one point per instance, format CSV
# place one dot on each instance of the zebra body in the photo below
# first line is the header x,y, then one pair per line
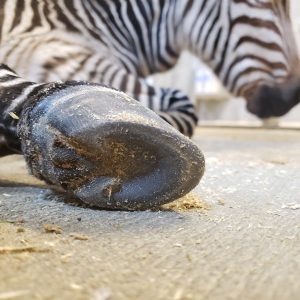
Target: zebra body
x,y
138,36
142,37
97,143
97,41
120,42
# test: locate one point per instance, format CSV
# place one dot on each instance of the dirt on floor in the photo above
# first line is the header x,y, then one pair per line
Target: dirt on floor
x,y
236,236
54,262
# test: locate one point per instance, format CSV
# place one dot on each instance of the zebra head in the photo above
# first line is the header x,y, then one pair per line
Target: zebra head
x,y
250,46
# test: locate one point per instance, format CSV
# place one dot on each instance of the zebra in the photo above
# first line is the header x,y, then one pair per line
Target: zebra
x,y
65,63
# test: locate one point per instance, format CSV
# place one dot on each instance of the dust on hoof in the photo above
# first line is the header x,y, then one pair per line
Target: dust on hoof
x,y
106,149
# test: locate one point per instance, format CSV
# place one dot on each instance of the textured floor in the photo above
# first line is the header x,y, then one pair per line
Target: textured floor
x,y
246,246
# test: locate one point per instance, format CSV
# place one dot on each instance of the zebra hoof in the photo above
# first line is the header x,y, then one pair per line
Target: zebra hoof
x,y
106,149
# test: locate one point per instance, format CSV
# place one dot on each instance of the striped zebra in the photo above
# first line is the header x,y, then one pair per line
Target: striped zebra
x,y
70,132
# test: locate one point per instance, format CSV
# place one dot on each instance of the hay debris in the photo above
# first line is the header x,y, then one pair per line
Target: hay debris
x,y
188,202
80,237
13,115
51,228
13,294
15,250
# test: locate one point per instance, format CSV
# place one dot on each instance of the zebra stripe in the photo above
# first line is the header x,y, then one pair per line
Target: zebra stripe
x,y
120,42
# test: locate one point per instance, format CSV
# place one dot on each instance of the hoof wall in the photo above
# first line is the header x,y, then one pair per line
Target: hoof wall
x,y
108,150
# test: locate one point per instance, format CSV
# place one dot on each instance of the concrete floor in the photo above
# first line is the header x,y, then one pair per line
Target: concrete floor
x,y
246,246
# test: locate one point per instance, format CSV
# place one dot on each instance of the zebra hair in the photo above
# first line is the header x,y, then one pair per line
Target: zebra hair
x,y
120,42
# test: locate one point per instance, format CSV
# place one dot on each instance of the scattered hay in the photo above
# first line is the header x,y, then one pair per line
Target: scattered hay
x,y
20,221
277,162
51,228
20,229
188,202
80,237
292,205
221,202
13,115
15,250
13,294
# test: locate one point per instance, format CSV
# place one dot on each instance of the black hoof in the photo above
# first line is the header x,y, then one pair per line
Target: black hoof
x,y
108,150
274,101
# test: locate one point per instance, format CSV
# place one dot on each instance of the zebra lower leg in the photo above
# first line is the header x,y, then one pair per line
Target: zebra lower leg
x,y
99,145
171,105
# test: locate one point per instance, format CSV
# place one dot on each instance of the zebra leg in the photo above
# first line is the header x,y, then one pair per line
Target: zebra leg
x,y
171,105
178,111
13,91
98,144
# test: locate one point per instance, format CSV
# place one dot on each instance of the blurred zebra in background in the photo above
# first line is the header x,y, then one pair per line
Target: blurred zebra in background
x,y
66,130
248,44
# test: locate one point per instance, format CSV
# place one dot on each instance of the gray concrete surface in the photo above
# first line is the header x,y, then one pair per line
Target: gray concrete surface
x,y
246,246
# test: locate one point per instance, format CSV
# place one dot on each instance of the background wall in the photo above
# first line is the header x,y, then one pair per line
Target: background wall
x,y
212,101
